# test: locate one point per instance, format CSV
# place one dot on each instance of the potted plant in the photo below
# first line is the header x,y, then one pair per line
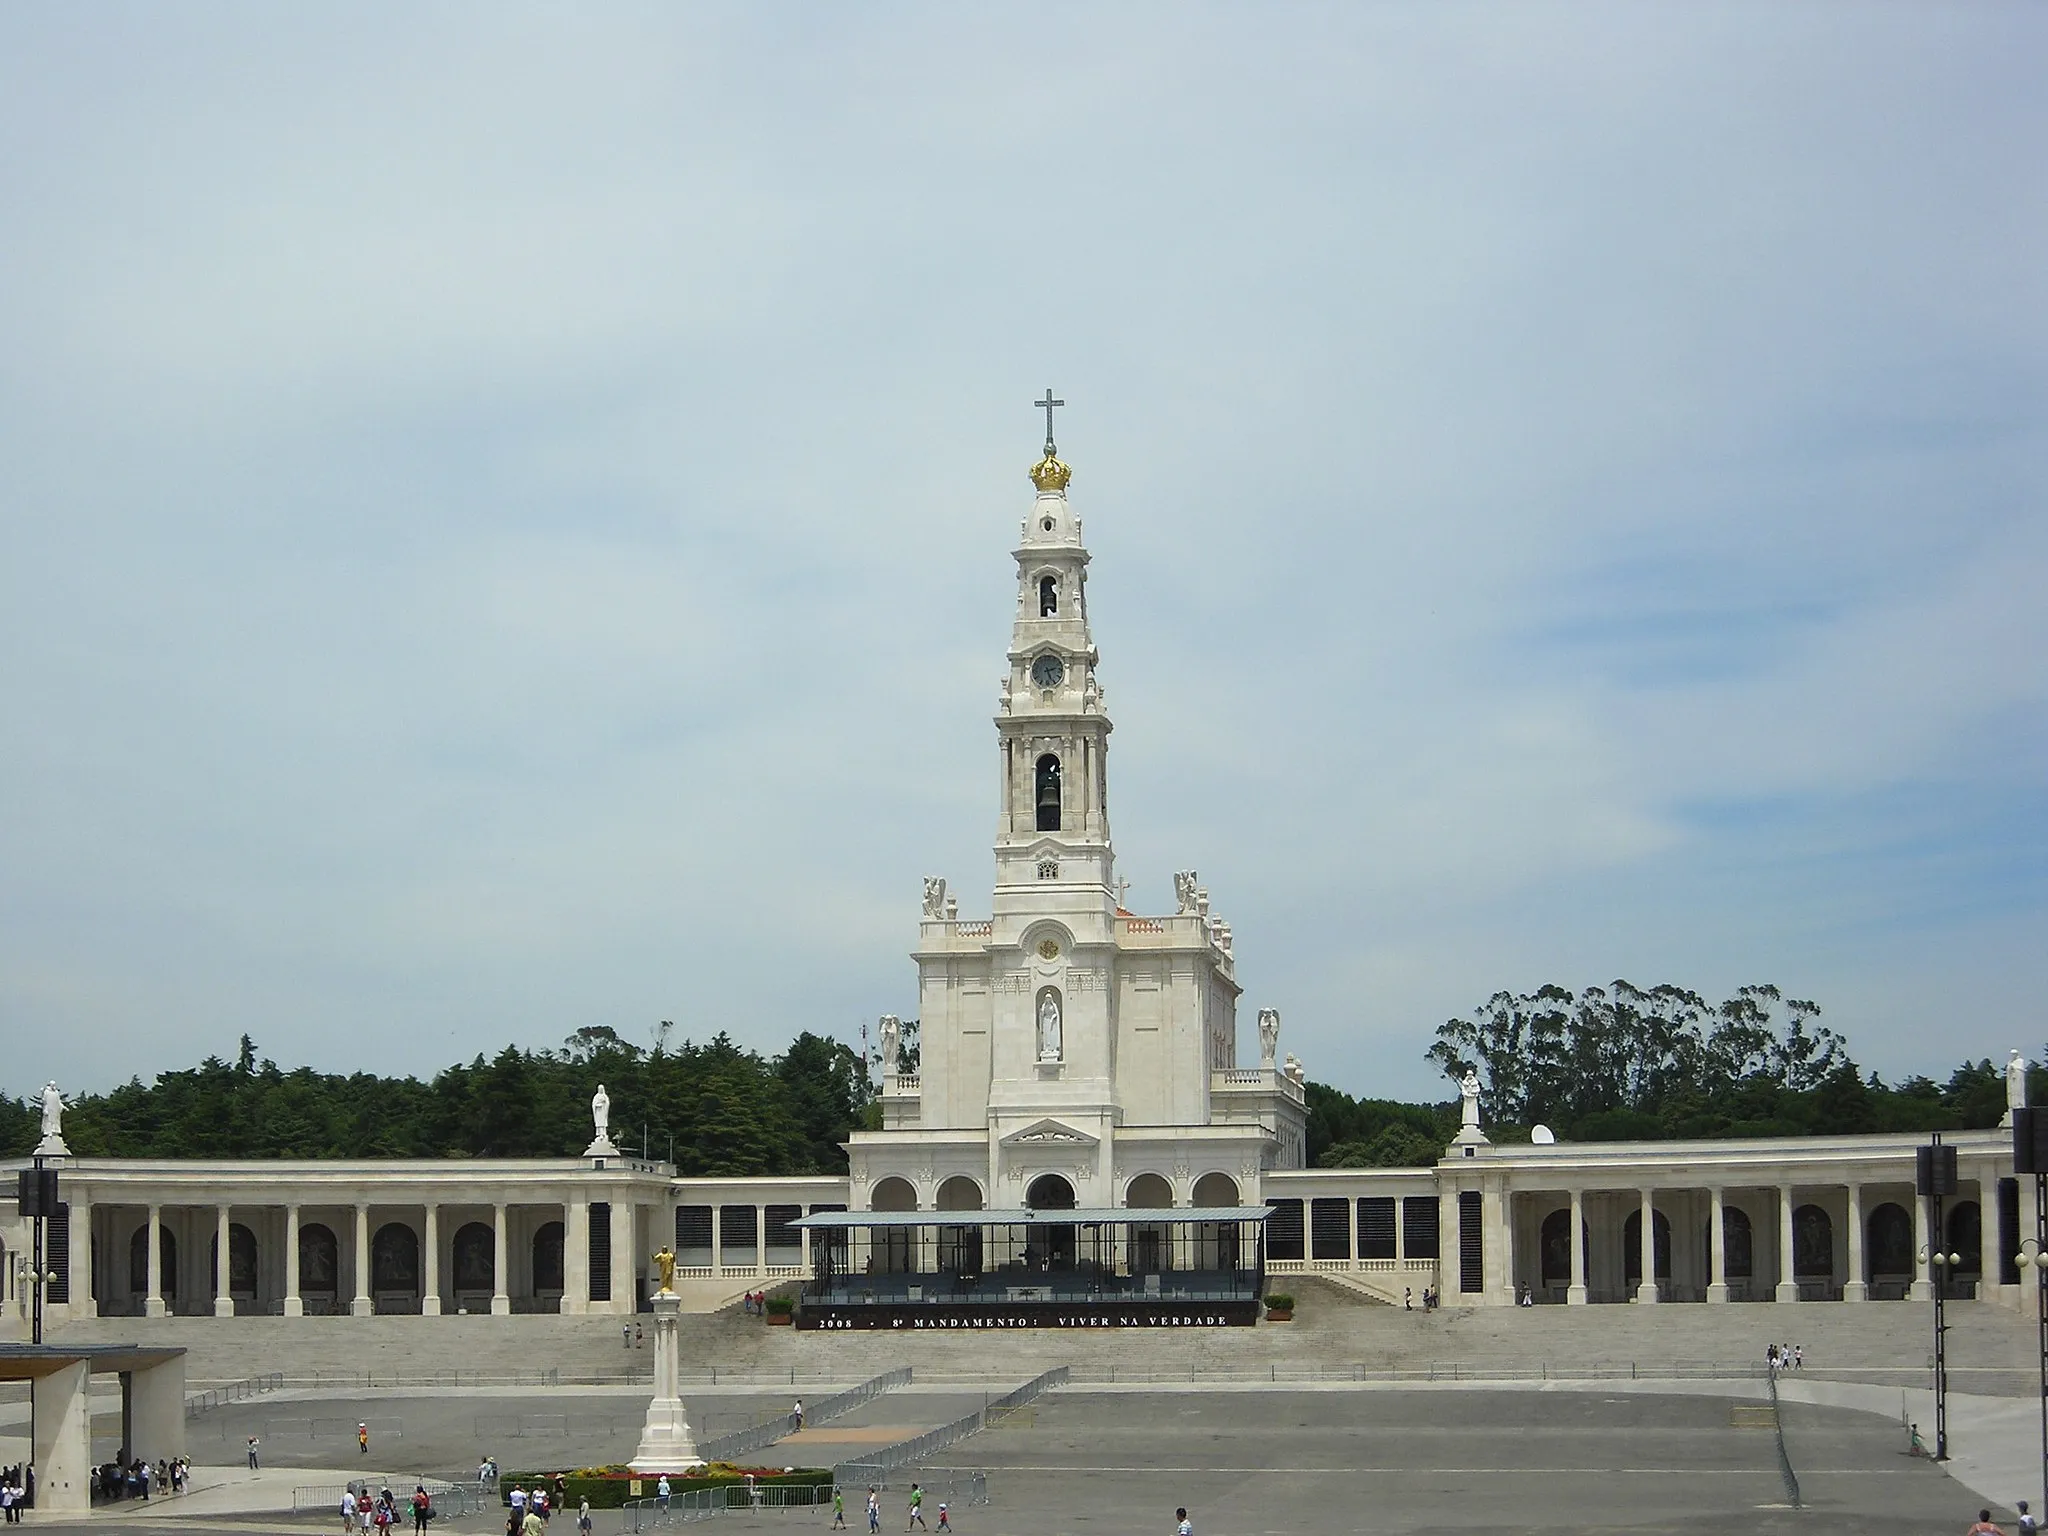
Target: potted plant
x,y
779,1309
1279,1308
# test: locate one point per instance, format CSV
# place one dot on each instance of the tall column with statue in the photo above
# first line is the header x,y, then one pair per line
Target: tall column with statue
x,y
666,1444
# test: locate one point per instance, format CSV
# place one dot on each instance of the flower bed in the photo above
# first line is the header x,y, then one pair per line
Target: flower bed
x,y
610,1487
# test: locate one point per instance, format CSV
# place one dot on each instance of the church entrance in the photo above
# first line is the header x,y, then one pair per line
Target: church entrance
x,y
1050,1248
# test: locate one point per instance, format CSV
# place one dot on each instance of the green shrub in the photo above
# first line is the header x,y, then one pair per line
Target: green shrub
x,y
1279,1301
781,1306
610,1487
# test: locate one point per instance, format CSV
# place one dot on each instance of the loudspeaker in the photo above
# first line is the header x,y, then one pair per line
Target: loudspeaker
x,y
1934,1170
37,1192
2030,1141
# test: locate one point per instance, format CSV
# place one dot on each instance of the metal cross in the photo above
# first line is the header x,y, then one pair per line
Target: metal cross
x,y
1122,886
1047,405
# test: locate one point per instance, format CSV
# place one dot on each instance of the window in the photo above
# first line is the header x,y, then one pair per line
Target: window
x,y
1047,798
1048,597
1048,869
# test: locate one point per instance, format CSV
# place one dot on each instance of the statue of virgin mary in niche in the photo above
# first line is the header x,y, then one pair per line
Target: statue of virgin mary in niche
x,y
1048,1025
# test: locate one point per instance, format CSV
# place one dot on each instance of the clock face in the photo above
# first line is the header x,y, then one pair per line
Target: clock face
x,y
1047,671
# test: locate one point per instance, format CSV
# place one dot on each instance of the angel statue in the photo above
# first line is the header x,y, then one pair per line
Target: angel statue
x,y
934,896
1184,891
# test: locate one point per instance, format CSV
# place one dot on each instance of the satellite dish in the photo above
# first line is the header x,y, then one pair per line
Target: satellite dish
x,y
1543,1136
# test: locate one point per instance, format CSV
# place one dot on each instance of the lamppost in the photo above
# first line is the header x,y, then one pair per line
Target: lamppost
x,y
1935,1177
2030,1155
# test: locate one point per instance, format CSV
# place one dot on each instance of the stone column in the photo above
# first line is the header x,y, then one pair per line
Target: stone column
x,y
294,1304
362,1305
1351,1216
153,1298
223,1296
1401,1236
624,1259
1717,1245
1497,1223
430,1264
1647,1290
63,1440
501,1297
1575,1293
717,1238
576,1256
1855,1288
1923,1244
1788,1288
84,1292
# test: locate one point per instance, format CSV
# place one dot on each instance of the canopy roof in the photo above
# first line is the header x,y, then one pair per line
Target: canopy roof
x,y
1122,1215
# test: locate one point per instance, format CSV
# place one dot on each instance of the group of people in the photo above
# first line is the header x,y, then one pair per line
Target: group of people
x,y
2028,1524
363,1511
138,1479
14,1485
917,1521
1785,1357
530,1509
1430,1299
756,1303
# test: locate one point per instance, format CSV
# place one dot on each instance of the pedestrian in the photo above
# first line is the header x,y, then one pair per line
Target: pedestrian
x,y
252,1453
944,1523
348,1513
1798,1357
362,1438
639,1338
532,1525
1984,1527
7,1498
1186,1526
583,1518
2027,1523
838,1509
661,1495
916,1509
517,1500
797,1414
874,1509
625,1335
422,1507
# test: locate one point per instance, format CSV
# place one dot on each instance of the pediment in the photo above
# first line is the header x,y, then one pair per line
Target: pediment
x,y
1049,1133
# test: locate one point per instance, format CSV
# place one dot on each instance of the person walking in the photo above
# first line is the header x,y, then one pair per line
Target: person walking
x,y
874,1508
838,1509
1407,1298
944,1523
252,1453
363,1438
1984,1527
583,1518
1186,1526
422,1507
661,1495
2028,1525
348,1513
797,1415
916,1509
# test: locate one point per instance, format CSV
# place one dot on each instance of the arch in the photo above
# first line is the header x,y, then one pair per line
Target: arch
x,y
548,1244
319,1259
1739,1237
1216,1189
959,1193
1555,1265
395,1258
893,1194
1632,1246
241,1260
1050,1192
1966,1237
166,1261
1148,1192
1813,1243
960,1247
1048,596
1050,1247
1888,1249
1046,792
475,1255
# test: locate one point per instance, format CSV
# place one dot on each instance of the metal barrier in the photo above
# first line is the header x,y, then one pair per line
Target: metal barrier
x,y
1440,1370
533,1426
741,1442
1784,1456
233,1392
451,1500
873,1468
332,1429
708,1503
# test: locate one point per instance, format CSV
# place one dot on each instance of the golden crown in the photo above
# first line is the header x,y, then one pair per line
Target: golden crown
x,y
1049,474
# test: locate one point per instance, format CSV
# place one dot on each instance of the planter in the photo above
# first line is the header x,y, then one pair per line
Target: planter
x,y
778,1319
1279,1314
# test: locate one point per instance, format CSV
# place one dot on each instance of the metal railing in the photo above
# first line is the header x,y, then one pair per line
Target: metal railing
x,y
1784,1456
742,1441
708,1503
1436,1370
451,1500
874,1467
233,1392
491,1428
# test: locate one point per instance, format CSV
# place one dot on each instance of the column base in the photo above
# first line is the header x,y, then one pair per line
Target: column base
x,y
1717,1293
501,1306
1646,1292
1920,1290
153,1306
295,1306
1575,1295
1785,1291
1855,1290
430,1306
223,1306
361,1306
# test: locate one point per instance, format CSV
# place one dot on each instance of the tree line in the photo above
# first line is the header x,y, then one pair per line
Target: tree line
x,y
1603,1064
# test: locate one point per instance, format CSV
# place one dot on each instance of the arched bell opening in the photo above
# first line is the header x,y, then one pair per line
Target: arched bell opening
x,y
1047,796
1048,597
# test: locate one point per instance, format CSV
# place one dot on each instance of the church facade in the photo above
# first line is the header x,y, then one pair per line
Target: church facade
x,y
1080,1071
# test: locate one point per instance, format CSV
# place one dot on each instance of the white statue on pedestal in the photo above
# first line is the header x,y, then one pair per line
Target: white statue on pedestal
x,y
1049,1025
600,1117
2015,1087
52,1144
1468,1096
666,1444
1269,1037
1184,885
892,1046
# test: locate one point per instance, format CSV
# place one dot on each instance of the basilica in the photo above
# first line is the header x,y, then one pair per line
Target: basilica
x,y
1090,1139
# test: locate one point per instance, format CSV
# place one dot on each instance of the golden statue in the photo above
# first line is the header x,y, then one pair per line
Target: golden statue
x,y
1049,474
665,1262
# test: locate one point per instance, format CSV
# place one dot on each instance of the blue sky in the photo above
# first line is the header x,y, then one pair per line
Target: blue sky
x,y
507,512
